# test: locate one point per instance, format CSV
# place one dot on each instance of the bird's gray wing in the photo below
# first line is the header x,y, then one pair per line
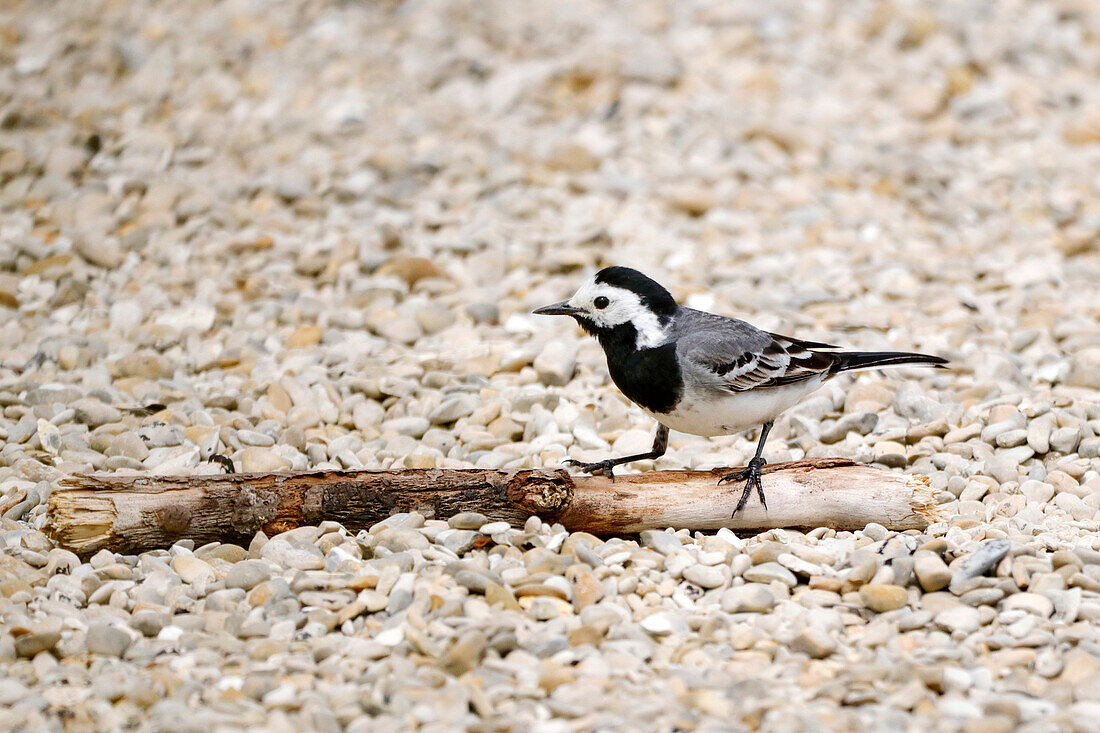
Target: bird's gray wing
x,y
735,356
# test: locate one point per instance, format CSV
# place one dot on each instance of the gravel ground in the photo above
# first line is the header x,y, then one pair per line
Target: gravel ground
x,y
311,233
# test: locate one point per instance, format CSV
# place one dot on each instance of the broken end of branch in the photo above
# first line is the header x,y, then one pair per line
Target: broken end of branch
x,y
926,510
542,493
80,521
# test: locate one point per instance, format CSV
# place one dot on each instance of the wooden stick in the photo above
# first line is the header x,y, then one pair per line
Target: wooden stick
x,y
135,513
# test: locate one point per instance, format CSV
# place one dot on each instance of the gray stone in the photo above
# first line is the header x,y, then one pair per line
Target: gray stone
x,y
961,619
106,639
452,409
556,362
93,413
814,642
983,561
412,426
769,571
707,576
298,556
751,597
28,645
247,574
467,520
931,571
663,542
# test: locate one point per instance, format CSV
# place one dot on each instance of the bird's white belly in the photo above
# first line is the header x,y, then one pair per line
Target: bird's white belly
x,y
725,414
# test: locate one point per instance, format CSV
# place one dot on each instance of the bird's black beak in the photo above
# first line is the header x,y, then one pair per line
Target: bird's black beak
x,y
558,309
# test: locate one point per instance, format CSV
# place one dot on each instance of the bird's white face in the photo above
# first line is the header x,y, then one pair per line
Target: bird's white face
x,y
607,306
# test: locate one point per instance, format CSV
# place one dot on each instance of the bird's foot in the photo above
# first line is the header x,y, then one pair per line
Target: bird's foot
x,y
607,467
751,476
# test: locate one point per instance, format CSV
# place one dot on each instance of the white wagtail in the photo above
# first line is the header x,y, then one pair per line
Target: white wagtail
x,y
702,373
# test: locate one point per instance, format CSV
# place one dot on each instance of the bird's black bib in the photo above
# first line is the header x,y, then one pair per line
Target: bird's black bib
x,y
649,378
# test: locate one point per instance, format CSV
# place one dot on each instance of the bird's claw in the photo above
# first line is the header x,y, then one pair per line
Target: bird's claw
x,y
607,468
751,476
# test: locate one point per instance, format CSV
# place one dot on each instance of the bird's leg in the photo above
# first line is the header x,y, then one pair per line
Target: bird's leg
x,y
606,467
751,474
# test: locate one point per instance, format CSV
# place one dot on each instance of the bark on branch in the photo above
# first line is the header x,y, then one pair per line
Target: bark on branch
x,y
136,513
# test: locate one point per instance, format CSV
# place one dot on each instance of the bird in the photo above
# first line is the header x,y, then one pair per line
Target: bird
x,y
703,373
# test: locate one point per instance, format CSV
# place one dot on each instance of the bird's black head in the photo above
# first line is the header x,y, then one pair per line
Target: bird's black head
x,y
617,302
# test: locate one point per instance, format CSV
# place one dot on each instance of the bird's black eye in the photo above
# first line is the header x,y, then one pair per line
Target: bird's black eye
x,y
601,302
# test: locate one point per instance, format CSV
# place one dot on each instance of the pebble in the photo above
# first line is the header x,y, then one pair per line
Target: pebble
x,y
247,574
31,644
882,597
959,619
467,520
1034,603
662,542
707,576
814,642
300,556
750,597
931,571
106,639
982,561
768,572
556,362
412,426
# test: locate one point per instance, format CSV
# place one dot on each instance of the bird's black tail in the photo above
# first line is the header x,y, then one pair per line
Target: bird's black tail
x,y
852,361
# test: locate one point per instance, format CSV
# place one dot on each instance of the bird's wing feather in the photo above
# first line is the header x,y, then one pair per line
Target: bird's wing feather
x,y
735,356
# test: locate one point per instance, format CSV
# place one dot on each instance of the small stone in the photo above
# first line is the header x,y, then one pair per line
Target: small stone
x,y
262,460
459,541
299,556
1034,603
255,438
28,645
488,313
814,642
572,157
663,542
981,562
962,619
707,576
433,319
247,574
414,427
106,639
769,571
556,363
144,364
1012,438
193,570
1065,440
662,623
398,539
304,336
931,571
99,251
1084,370
883,597
467,520
410,269
148,623
464,654
93,413
750,597
452,409
128,445
890,453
